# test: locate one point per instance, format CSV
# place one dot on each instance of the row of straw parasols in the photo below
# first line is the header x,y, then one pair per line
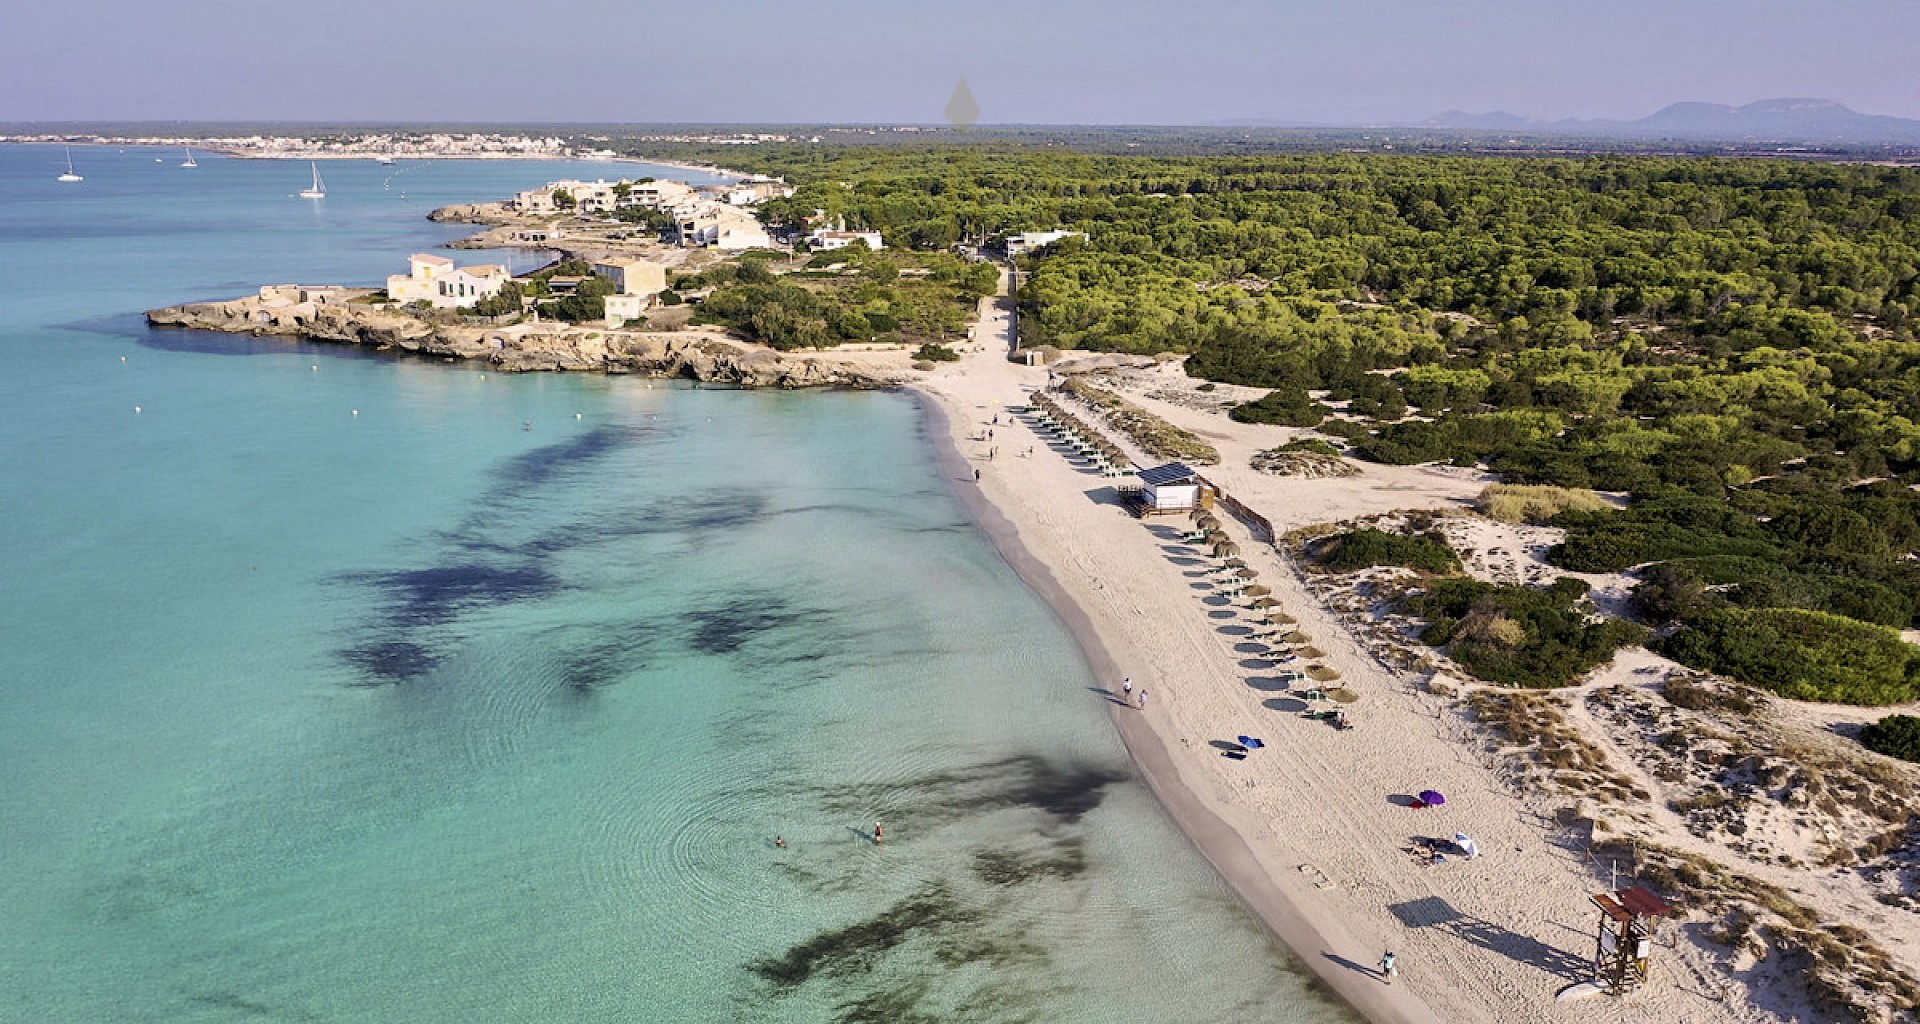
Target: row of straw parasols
x,y
1238,571
1088,437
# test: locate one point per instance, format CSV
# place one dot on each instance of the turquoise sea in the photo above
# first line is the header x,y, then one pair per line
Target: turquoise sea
x,y
486,703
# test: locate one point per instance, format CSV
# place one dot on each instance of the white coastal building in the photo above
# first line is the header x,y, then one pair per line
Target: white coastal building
x,y
1028,241
437,282
468,285
638,284
827,241
418,284
632,275
719,226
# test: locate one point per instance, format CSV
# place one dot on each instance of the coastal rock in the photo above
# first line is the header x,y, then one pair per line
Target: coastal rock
x,y
525,348
495,214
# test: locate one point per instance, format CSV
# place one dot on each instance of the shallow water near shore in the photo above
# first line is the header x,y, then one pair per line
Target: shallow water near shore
x,y
487,702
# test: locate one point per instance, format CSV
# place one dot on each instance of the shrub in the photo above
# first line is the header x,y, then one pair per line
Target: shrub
x,y
1517,635
1535,503
931,353
1364,549
671,298
1658,530
1312,445
1288,407
1804,655
1895,736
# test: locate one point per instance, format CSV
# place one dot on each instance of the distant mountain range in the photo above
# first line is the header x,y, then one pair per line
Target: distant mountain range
x,y
1785,121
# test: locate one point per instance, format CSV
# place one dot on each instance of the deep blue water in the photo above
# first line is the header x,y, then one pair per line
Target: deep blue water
x,y
484,704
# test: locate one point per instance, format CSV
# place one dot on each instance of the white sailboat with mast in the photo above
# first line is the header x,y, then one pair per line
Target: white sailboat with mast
x,y
189,161
69,176
318,190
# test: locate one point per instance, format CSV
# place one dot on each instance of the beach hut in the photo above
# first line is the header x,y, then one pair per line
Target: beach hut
x,y
1168,489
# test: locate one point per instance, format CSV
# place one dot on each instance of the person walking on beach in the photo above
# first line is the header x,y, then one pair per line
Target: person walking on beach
x,y
976,474
1126,687
1389,967
879,833
1143,698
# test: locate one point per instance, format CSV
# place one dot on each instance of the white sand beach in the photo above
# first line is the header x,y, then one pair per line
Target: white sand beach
x,y
1314,829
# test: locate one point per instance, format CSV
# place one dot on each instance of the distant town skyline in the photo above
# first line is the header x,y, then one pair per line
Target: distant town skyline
x,y
1068,62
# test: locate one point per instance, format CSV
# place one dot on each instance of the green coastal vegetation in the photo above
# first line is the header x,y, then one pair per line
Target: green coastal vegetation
x,y
1895,736
1354,550
1519,636
850,294
1726,344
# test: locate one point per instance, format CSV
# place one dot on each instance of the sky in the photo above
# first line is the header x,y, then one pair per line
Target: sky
x,y
864,61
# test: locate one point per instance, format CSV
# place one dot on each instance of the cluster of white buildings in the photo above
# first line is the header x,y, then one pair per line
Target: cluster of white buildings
x,y
708,216
435,280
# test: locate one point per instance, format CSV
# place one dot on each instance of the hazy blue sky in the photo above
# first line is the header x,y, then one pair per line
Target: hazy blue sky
x,y
1083,61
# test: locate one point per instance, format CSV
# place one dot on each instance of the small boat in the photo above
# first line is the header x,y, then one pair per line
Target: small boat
x,y
318,190
189,161
383,160
69,176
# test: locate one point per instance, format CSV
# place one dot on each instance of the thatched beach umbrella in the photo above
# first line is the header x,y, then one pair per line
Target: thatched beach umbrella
x,y
1234,563
1225,549
1342,695
1257,591
1321,673
1265,602
1246,574
1206,521
1311,652
1281,619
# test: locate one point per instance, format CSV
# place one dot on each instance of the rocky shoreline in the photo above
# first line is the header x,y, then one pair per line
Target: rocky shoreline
x,y
540,346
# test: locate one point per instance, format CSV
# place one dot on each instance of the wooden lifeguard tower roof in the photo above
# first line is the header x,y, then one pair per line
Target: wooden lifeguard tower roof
x,y
1628,904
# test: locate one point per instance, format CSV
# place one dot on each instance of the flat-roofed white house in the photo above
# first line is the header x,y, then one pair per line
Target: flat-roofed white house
x,y
632,275
718,226
827,241
659,193
1028,241
1173,487
638,282
468,285
419,283
622,308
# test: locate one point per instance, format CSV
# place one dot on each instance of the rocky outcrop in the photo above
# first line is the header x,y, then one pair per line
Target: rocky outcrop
x,y
522,348
496,214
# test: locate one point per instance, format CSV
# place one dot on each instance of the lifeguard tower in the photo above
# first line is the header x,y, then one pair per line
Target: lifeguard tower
x,y
1623,948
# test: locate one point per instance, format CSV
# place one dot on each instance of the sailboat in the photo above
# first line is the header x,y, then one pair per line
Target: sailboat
x,y
319,188
69,176
190,161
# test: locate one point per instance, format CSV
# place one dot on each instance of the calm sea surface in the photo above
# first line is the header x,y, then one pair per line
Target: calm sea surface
x,y
486,703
